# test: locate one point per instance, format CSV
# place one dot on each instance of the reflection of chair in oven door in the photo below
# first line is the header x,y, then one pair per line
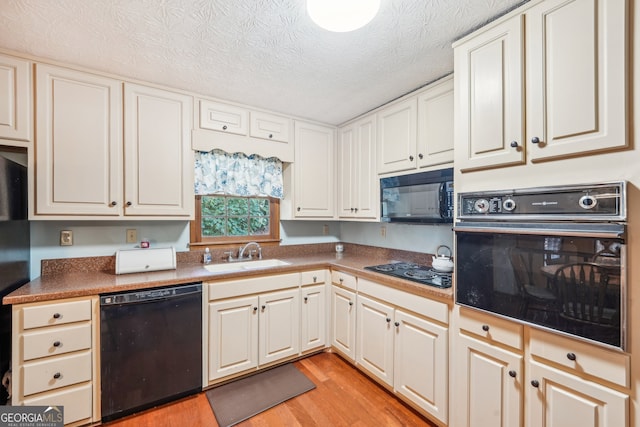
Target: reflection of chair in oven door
x,y
589,300
536,299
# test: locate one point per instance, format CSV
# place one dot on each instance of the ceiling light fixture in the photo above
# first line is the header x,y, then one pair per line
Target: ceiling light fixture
x,y
341,16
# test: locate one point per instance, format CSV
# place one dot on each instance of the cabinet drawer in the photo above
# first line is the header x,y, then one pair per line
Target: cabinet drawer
x,y
343,279
581,357
268,126
52,373
312,277
491,328
77,402
223,117
56,340
56,314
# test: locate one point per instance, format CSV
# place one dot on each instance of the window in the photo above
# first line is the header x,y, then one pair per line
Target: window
x,y
224,219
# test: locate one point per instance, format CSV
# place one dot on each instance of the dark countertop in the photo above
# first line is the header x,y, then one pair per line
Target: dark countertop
x,y
78,284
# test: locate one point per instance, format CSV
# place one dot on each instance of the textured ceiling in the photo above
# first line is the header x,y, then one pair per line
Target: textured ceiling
x,y
264,53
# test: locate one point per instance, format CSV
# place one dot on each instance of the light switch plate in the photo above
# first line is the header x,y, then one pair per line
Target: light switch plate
x,y
132,235
66,238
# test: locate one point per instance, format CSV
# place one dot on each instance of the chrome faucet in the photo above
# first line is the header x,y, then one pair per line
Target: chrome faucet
x,y
250,256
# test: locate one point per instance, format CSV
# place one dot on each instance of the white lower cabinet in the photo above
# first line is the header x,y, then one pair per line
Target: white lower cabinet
x,y
343,321
252,323
404,350
313,317
55,361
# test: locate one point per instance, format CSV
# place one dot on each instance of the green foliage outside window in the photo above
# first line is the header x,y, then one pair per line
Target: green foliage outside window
x,y
235,216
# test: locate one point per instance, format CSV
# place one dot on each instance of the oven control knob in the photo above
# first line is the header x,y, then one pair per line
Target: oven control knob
x,y
509,205
588,202
481,206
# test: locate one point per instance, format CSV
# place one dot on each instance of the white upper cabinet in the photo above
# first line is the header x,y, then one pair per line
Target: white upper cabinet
x,y
313,184
78,156
490,97
158,157
358,183
576,77
564,63
15,101
397,136
238,129
435,124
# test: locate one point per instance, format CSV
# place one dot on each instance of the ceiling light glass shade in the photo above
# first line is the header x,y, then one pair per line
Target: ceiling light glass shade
x,y
342,15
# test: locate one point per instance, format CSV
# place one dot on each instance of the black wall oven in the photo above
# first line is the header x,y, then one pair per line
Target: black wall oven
x,y
552,257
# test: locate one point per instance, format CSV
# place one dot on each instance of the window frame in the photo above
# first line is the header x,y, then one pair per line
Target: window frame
x,y
197,239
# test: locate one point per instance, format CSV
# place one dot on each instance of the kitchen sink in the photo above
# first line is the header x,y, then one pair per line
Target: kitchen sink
x,y
244,265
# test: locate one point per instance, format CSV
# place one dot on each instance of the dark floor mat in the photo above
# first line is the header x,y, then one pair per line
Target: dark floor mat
x,y
244,398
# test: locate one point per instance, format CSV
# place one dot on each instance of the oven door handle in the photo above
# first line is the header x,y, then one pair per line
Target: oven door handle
x,y
597,230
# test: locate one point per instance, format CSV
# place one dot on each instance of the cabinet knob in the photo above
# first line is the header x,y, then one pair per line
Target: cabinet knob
x,y
355,210
224,127
535,140
571,356
255,309
420,156
56,315
411,158
485,328
315,279
298,209
57,375
535,383
113,203
57,343
388,320
351,209
514,144
263,307
129,203
270,135
350,303
512,374
341,280
397,324
305,299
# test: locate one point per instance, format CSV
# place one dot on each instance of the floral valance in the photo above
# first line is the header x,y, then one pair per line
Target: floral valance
x,y
237,174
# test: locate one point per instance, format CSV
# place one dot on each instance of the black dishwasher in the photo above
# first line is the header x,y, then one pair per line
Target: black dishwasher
x,y
150,348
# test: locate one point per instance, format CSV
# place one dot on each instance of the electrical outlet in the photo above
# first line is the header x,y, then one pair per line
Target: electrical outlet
x,y
325,230
66,238
132,235
383,231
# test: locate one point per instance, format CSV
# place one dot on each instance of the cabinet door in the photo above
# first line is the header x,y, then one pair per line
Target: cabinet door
x,y
346,171
488,382
559,399
576,97
79,148
435,125
314,180
15,100
313,317
233,336
223,117
279,325
421,363
158,160
375,332
490,97
367,184
343,321
397,137
271,127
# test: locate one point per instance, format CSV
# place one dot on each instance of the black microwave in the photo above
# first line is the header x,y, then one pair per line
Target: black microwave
x,y
423,198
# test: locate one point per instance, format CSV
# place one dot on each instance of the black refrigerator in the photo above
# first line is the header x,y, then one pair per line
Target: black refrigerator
x,y
14,249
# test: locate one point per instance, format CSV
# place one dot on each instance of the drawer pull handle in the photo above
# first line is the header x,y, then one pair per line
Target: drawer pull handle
x,y
57,375
57,343
485,328
571,356
535,383
56,315
512,374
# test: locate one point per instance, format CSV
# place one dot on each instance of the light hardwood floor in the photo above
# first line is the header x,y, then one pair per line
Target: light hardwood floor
x,y
343,397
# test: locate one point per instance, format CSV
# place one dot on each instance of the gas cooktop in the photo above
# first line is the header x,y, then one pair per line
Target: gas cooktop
x,y
414,272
